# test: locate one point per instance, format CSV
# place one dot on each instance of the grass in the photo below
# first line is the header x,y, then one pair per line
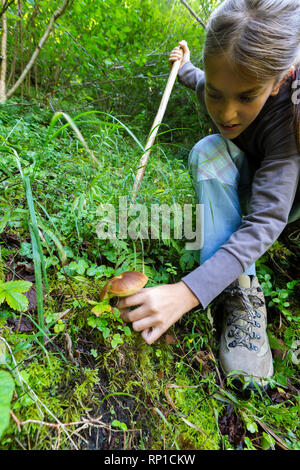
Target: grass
x,y
91,383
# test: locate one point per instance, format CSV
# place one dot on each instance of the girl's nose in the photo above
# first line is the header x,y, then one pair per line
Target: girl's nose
x,y
228,114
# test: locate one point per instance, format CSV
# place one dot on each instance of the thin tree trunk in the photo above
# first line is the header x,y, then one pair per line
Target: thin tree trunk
x,y
36,79
11,78
4,57
59,12
20,11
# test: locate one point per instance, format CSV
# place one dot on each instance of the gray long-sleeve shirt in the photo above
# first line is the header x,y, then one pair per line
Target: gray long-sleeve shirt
x,y
270,147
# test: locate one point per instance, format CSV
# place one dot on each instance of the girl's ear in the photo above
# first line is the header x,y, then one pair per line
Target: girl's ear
x,y
277,87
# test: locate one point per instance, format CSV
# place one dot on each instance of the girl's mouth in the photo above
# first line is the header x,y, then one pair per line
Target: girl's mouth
x,y
231,128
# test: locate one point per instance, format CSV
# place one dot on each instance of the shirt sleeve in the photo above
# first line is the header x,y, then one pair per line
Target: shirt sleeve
x,y
273,192
189,75
194,78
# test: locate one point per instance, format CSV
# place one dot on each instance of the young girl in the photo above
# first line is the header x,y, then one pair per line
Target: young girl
x,y
250,167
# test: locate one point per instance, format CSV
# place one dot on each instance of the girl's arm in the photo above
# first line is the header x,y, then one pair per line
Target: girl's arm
x,y
273,192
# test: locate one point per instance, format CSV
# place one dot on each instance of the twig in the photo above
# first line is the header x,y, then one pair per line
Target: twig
x,y
5,6
193,13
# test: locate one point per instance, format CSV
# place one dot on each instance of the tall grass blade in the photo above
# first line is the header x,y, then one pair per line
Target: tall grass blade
x,y
34,226
121,124
38,258
60,249
75,129
38,278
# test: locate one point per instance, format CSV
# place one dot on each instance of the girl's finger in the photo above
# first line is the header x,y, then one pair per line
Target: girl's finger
x,y
123,311
135,314
150,335
131,300
176,56
144,323
184,46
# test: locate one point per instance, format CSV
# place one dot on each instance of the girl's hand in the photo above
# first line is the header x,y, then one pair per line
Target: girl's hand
x,y
158,308
176,54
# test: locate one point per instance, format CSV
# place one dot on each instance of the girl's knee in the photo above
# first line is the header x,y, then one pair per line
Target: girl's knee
x,y
214,157
209,144
205,152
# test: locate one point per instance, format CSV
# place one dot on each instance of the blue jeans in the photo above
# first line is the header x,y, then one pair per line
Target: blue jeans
x,y
222,181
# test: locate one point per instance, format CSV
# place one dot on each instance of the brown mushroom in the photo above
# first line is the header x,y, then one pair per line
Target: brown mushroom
x,y
124,284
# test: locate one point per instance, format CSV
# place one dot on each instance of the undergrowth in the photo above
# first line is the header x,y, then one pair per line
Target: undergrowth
x,y
85,381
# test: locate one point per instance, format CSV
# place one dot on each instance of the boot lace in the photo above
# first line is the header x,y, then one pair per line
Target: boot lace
x,y
243,322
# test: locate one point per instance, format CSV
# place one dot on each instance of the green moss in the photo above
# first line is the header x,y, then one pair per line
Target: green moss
x,y
54,389
193,417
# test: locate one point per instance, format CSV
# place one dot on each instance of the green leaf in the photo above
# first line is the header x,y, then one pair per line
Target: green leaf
x,y
11,292
101,308
267,441
17,301
5,219
274,343
17,286
119,424
81,266
6,392
127,330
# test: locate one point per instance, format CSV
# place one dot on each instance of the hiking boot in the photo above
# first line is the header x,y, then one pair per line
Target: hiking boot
x,y
244,345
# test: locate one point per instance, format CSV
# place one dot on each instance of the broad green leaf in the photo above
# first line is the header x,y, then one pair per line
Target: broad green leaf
x,y
81,266
101,308
267,441
11,292
17,301
274,343
16,286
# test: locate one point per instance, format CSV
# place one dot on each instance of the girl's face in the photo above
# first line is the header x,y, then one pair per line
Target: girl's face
x,y
233,101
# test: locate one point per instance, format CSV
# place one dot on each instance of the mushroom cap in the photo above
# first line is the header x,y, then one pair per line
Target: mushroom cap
x,y
124,284
127,283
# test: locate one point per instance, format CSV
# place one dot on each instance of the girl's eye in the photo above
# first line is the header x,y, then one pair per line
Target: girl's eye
x,y
214,97
244,99
247,99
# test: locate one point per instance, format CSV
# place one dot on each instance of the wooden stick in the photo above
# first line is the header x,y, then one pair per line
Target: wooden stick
x,y
155,126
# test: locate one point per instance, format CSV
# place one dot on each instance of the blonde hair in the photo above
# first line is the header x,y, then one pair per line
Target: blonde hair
x,y
262,37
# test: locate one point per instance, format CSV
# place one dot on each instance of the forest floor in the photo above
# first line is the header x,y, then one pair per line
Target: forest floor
x,y
84,380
